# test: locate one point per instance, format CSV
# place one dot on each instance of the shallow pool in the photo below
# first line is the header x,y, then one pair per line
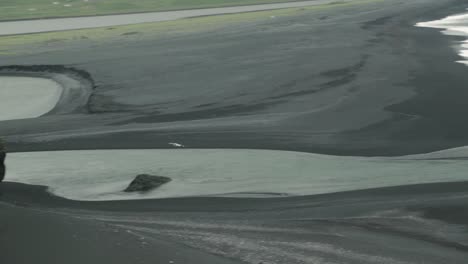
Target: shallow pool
x,y
27,97
103,174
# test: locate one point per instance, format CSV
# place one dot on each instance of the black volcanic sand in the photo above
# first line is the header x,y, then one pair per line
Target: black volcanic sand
x,y
355,80
349,80
408,224
32,236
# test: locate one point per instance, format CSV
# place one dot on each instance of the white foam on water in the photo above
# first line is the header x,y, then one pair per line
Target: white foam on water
x,y
103,174
456,25
26,97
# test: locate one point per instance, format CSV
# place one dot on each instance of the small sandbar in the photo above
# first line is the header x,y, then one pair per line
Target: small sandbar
x,y
27,97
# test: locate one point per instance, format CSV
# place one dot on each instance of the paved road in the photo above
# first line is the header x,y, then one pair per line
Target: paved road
x,y
60,24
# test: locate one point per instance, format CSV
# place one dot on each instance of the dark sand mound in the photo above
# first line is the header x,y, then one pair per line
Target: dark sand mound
x,y
146,182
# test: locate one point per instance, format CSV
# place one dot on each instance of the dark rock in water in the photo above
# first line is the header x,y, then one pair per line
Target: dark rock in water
x,y
2,162
145,182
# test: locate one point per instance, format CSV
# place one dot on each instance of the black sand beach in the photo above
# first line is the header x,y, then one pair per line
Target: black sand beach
x,y
351,80
408,224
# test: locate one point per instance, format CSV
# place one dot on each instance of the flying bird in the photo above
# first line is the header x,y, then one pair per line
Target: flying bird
x,y
177,145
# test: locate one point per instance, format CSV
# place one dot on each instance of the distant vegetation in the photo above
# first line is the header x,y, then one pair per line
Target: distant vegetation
x,y
20,44
24,9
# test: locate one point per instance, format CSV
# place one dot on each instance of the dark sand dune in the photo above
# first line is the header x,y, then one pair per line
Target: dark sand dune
x,y
348,80
408,224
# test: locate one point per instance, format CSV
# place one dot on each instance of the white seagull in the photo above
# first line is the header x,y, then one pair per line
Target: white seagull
x,y
177,145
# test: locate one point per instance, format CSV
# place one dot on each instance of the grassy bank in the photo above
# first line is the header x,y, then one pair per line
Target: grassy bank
x,y
10,45
26,9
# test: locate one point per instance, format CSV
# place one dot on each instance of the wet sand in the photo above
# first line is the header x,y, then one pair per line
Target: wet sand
x,y
408,224
269,85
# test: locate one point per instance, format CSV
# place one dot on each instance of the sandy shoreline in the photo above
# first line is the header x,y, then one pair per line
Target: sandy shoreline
x,y
412,114
36,196
55,238
408,214
453,26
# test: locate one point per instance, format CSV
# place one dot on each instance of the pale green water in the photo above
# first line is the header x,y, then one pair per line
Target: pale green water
x,y
102,174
